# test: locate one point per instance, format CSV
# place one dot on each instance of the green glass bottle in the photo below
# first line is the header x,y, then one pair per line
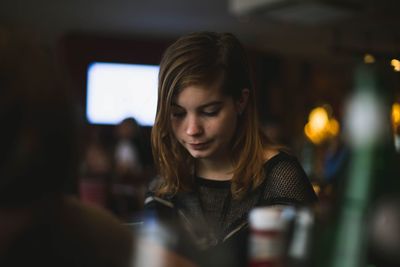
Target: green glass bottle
x,y
366,126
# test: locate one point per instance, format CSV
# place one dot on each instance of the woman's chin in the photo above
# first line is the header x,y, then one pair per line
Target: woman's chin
x,y
199,154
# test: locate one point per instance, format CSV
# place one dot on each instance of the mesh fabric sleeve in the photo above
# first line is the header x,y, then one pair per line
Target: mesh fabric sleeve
x,y
287,183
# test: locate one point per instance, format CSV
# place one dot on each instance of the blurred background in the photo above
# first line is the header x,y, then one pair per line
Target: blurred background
x,y
303,56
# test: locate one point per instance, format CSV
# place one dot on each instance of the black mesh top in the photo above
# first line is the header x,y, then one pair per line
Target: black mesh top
x,y
216,225
212,196
285,183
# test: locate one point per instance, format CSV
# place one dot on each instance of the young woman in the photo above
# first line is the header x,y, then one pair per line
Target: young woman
x,y
214,163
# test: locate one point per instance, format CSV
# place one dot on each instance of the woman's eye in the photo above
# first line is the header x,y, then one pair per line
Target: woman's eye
x,y
211,113
177,114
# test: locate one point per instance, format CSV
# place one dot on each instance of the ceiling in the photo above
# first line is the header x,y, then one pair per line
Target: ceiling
x,y
307,28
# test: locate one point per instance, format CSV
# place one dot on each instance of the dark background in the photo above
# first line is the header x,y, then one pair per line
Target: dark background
x,y
303,52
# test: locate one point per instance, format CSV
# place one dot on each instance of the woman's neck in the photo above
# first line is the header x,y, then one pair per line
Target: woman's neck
x,y
214,170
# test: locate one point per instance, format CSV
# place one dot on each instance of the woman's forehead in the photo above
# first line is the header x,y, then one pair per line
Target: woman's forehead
x,y
197,95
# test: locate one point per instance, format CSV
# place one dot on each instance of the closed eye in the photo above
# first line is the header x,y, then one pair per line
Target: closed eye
x,y
211,110
178,114
211,113
177,111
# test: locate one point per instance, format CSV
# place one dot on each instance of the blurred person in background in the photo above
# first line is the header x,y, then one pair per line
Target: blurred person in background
x,y
214,162
95,171
129,180
127,151
41,221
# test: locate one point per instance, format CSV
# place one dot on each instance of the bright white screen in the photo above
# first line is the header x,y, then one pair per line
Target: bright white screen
x,y
116,91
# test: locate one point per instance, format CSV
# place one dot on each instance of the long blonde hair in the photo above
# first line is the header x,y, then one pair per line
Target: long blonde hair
x,y
203,58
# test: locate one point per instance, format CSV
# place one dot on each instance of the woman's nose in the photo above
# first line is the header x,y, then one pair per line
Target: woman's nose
x,y
193,126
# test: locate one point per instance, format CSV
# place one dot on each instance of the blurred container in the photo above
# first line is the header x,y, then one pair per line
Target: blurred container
x,y
269,232
299,251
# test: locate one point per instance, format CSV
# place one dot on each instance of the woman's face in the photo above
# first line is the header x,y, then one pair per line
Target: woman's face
x,y
204,122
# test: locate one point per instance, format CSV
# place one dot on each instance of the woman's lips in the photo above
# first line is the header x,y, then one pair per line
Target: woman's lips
x,y
198,146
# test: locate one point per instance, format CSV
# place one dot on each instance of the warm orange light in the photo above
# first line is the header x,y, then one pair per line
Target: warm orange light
x,y
318,119
396,114
317,188
320,126
333,127
369,58
395,64
315,136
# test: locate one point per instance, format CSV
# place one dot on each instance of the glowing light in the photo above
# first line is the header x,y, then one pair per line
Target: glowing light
x,y
321,126
369,58
396,114
314,136
318,119
317,188
333,127
395,64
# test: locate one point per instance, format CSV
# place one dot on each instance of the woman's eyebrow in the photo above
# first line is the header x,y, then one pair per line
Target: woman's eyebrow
x,y
212,103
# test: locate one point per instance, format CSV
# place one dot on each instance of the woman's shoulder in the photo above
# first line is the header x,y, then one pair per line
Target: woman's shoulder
x,y
276,159
269,153
286,179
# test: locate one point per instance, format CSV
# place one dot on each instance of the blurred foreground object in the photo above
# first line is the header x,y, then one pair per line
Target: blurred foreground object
x,y
153,245
300,249
367,128
42,223
384,231
280,236
269,229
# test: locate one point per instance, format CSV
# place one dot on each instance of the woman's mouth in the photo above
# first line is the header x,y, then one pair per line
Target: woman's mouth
x,y
198,146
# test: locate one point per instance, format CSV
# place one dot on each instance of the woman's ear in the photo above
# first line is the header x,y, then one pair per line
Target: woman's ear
x,y
242,101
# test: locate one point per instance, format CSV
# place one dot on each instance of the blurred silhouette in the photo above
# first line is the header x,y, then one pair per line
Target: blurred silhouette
x,y
41,222
129,177
127,153
96,172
